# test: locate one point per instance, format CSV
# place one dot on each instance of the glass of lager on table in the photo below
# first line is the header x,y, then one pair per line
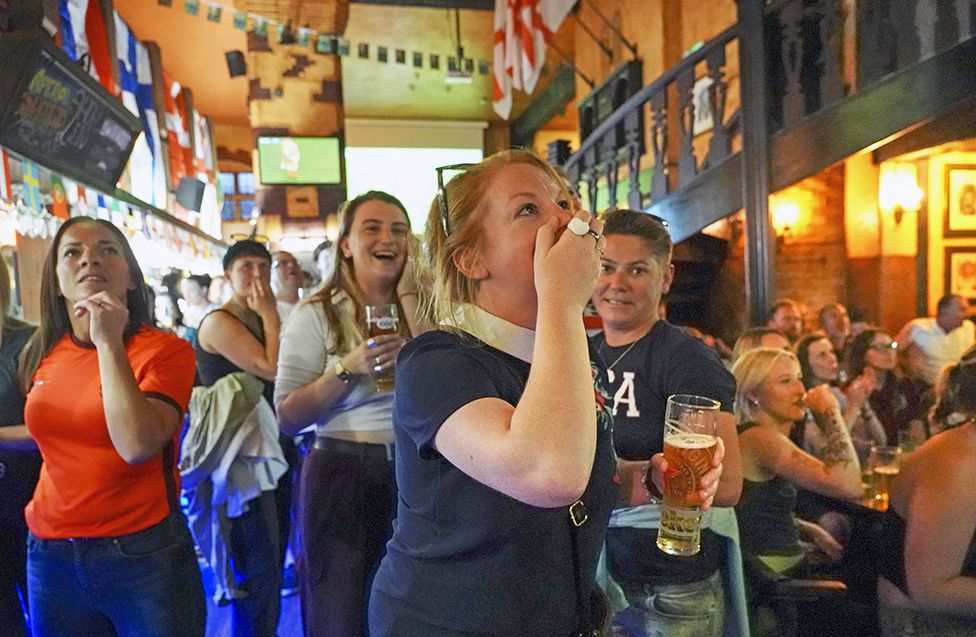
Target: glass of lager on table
x,y
382,319
883,463
690,439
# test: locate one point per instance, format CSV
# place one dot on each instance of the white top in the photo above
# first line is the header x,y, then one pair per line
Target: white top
x,y
940,348
303,357
285,309
504,336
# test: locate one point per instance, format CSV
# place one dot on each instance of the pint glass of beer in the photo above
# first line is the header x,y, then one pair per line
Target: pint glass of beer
x,y
382,319
690,439
883,463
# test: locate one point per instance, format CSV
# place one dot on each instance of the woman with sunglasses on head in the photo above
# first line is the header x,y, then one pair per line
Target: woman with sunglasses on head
x,y
899,405
505,466
109,551
327,377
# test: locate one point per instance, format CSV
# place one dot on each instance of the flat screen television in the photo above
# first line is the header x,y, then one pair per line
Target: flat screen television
x,y
299,160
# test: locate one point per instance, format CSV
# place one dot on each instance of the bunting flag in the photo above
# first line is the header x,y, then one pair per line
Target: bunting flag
x,y
180,149
214,11
146,165
5,191
240,20
522,29
59,200
84,38
203,149
32,185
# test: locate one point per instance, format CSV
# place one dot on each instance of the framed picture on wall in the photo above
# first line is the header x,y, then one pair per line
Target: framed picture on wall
x,y
960,272
960,193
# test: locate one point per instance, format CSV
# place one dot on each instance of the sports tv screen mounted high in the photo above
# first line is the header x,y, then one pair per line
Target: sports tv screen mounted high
x,y
53,113
299,160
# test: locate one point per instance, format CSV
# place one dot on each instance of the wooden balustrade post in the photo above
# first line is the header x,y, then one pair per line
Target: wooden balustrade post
x,y
759,256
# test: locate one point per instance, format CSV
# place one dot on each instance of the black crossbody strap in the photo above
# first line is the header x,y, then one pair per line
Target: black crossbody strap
x,y
577,518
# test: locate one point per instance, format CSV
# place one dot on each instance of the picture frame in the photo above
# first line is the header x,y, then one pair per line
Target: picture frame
x,y
960,194
960,272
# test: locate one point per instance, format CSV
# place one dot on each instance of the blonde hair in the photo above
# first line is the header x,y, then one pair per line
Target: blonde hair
x,y
466,194
751,371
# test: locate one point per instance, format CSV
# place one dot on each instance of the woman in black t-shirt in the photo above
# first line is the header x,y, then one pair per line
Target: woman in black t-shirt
x,y
502,432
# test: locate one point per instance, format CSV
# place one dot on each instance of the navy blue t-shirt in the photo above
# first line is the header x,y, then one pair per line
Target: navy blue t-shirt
x,y
466,559
663,362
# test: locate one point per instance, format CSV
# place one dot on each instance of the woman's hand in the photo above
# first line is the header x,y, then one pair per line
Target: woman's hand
x,y
861,387
821,399
374,355
658,473
108,317
820,547
566,264
261,300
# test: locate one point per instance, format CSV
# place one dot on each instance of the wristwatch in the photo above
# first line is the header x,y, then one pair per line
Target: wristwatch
x,y
342,373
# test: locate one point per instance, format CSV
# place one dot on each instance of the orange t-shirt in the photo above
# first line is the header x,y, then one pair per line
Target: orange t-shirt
x,y
86,489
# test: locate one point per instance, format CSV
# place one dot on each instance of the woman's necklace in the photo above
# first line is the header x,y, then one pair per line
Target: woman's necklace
x,y
621,357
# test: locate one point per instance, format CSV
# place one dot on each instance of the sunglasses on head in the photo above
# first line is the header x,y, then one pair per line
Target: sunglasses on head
x,y
442,190
881,347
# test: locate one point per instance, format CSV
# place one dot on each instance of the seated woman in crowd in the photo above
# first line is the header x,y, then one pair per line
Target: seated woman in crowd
x,y
505,463
820,366
758,337
109,552
326,375
897,405
928,566
769,398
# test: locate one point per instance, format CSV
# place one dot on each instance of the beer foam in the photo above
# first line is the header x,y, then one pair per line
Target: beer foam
x,y
887,471
684,440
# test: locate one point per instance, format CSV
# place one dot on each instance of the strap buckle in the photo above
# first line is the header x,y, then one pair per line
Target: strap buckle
x,y
577,513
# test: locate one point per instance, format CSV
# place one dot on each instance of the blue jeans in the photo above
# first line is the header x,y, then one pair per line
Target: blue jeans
x,y
695,609
146,584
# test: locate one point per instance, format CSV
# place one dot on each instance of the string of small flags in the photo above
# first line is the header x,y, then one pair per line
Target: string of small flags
x,y
329,43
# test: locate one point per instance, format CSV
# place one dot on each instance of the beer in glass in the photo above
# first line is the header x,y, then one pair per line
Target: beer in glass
x,y
690,439
883,463
382,319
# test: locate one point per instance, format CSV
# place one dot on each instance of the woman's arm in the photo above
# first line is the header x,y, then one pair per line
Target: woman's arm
x,y
837,474
16,438
222,333
138,426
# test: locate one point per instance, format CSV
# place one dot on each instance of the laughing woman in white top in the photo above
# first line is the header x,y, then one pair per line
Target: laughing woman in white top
x,y
326,372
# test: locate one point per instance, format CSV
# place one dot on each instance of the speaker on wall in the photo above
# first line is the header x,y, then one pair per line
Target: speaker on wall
x,y
236,65
189,193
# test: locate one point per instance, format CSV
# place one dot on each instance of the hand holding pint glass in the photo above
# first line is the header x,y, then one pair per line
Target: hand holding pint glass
x,y
382,319
690,441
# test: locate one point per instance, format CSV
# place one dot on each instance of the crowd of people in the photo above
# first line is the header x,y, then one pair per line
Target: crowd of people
x,y
508,484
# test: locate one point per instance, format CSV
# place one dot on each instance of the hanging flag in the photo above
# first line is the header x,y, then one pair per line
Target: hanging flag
x,y
5,191
203,149
240,20
146,166
304,35
101,210
260,27
522,29
84,38
214,11
59,200
192,7
180,148
32,185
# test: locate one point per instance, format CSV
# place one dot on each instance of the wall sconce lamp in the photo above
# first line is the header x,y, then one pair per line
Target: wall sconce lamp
x,y
786,216
898,190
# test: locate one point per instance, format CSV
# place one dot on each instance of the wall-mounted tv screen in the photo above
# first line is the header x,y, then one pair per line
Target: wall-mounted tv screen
x,y
299,160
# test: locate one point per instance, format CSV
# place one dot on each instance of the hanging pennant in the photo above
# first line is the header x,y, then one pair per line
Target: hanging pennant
x,y
240,20
59,200
303,36
214,11
192,7
325,45
342,47
32,185
260,27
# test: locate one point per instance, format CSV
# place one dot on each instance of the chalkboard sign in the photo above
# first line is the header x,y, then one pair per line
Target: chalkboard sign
x,y
53,113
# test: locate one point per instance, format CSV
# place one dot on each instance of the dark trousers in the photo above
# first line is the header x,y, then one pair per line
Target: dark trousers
x,y
13,577
254,554
285,494
347,509
146,584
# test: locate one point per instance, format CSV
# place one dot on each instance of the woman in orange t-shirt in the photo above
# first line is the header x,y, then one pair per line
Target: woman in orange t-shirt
x,y
109,552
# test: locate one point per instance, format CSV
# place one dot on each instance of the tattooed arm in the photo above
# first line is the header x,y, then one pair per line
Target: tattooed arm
x,y
834,471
